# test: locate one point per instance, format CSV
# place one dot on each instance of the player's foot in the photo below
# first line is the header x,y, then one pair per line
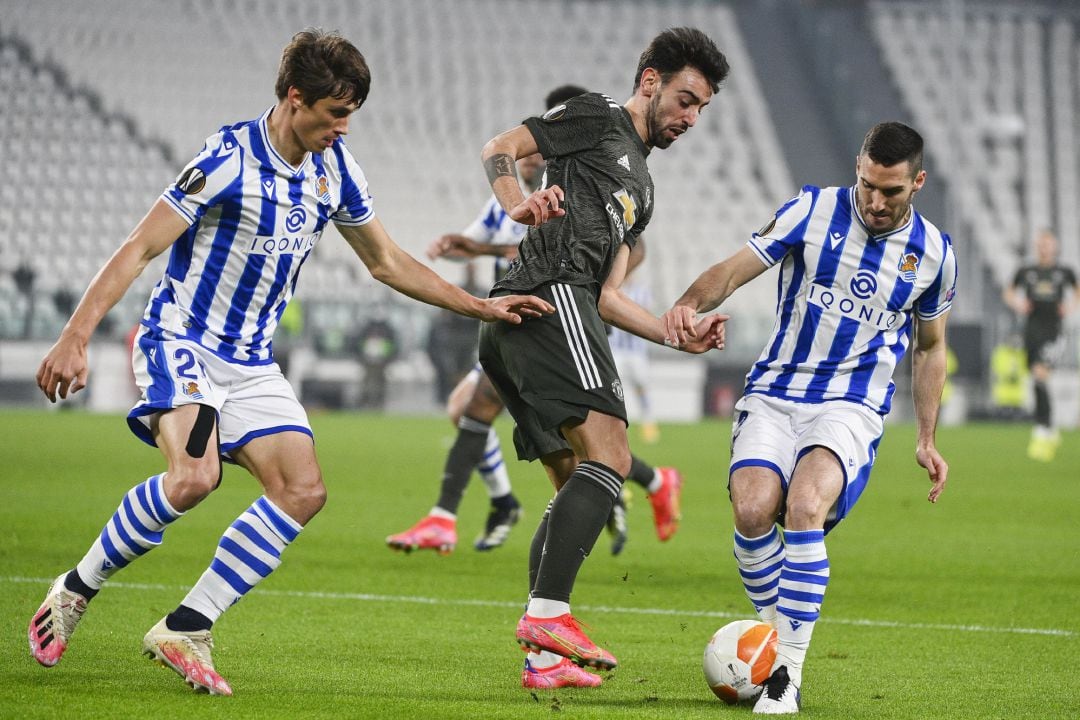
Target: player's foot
x,y
562,636
52,624
650,433
188,653
780,695
617,527
666,503
431,533
498,526
565,674
1041,449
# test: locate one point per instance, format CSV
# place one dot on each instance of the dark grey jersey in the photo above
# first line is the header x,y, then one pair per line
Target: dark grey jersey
x,y
597,157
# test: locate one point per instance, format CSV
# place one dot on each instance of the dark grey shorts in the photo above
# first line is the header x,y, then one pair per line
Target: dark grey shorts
x,y
552,370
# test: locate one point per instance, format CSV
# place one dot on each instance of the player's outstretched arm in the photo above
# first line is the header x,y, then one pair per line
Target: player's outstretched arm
x,y
711,288
500,156
64,368
617,309
391,265
928,362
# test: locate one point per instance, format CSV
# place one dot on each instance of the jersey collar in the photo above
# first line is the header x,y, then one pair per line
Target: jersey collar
x,y
633,131
275,158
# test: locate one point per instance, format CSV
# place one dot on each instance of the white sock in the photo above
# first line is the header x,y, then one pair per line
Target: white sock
x,y
544,659
802,590
248,552
544,608
656,483
441,513
760,560
493,469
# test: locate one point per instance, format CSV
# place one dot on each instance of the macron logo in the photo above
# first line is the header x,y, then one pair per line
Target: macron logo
x,y
269,189
795,624
833,240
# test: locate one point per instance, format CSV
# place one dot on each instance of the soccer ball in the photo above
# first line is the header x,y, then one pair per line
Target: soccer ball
x,y
739,658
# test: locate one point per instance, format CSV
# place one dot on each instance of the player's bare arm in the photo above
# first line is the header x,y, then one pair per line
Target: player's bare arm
x,y
499,156
711,288
619,310
64,369
461,247
391,265
928,361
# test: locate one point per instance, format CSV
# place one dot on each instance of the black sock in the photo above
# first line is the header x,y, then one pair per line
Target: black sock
x,y
1042,404
536,549
578,514
506,502
465,455
184,619
75,584
641,472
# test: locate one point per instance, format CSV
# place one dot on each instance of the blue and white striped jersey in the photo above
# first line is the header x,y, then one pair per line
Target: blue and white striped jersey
x,y
846,299
493,226
254,219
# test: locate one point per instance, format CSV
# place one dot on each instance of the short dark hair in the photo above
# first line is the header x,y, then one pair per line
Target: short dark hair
x,y
561,94
889,143
675,48
323,64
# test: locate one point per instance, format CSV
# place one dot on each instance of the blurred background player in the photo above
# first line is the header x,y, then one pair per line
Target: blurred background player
x,y
474,404
1042,295
632,353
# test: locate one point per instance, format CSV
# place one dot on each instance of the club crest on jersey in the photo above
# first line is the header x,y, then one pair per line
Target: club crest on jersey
x,y
322,189
191,389
191,181
909,267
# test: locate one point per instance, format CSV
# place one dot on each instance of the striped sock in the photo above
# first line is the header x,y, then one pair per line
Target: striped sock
x,y
248,551
802,588
134,530
492,468
760,560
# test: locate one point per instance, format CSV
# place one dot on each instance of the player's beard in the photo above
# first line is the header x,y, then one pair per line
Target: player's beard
x,y
656,132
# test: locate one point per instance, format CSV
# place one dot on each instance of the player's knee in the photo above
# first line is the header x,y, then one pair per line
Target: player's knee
x,y
805,513
303,495
754,514
190,482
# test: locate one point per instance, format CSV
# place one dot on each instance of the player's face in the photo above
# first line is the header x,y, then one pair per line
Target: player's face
x,y
529,169
1046,248
317,126
883,194
675,104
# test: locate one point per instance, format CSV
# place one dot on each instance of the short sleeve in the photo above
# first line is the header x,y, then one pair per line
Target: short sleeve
x,y
938,298
204,180
576,125
356,207
785,230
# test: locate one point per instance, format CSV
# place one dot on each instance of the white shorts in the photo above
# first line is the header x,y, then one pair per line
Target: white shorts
x,y
773,433
251,400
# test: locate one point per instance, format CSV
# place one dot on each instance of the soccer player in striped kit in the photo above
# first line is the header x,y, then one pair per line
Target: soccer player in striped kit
x,y
862,277
557,376
240,220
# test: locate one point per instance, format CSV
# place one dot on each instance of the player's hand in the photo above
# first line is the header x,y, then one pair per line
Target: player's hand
x,y
709,333
514,308
451,246
936,468
64,368
539,207
680,326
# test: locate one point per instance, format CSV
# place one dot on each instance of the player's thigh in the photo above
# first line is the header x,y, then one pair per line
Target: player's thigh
x,y
484,403
815,486
757,499
600,438
462,392
286,466
187,437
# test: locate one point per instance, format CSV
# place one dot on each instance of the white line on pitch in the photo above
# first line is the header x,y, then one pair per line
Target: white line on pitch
x,y
420,600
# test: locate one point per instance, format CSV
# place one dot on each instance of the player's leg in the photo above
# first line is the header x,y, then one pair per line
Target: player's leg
x,y
1042,446
505,511
248,551
664,487
187,437
577,516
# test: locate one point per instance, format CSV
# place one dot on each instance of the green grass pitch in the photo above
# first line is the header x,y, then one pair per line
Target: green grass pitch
x,y
967,609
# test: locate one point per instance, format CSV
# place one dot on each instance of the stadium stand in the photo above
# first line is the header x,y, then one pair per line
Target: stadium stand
x,y
454,79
